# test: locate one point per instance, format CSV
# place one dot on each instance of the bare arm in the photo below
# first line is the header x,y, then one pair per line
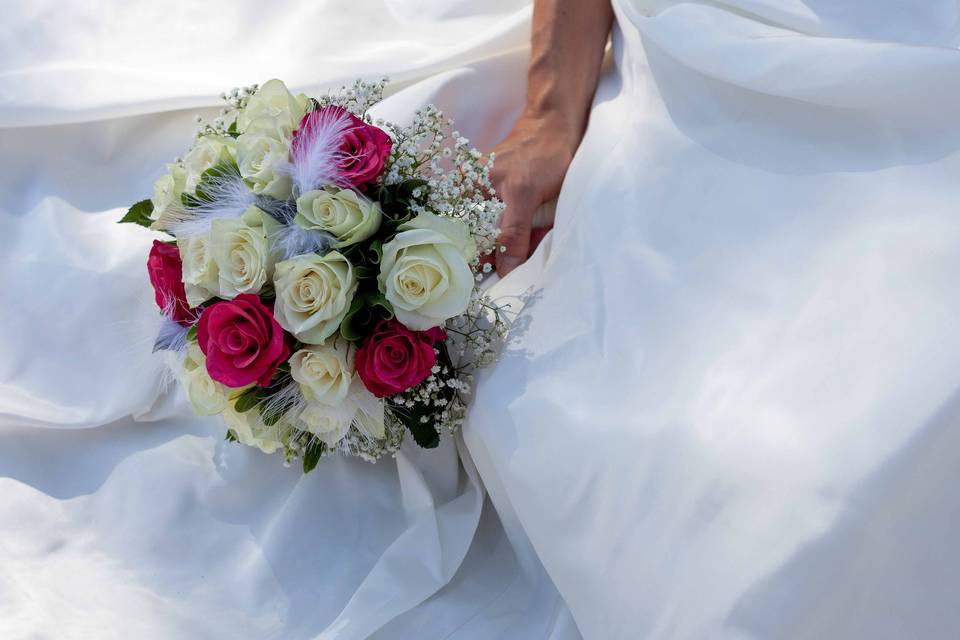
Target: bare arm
x,y
568,41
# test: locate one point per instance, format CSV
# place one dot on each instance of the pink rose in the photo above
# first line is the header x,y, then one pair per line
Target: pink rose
x,y
363,148
242,341
166,276
393,358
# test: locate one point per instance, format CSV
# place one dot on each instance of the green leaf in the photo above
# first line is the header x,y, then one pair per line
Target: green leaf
x,y
395,201
407,187
139,213
374,253
232,130
192,333
366,261
271,415
231,436
424,434
270,418
366,311
363,272
272,411
385,196
248,400
312,454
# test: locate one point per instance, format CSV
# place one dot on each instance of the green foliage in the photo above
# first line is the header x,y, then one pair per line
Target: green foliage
x,y
248,400
271,411
423,433
365,313
366,259
260,398
139,214
395,201
311,455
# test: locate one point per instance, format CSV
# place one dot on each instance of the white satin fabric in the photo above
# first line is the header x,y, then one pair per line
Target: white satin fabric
x,y
728,408
732,409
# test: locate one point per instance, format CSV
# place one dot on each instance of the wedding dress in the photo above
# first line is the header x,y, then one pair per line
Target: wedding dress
x,y
727,408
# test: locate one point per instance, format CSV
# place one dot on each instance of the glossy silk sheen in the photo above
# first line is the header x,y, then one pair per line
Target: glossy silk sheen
x,y
728,408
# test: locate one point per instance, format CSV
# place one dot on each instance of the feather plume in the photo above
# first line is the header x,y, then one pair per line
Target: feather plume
x,y
286,404
171,336
225,195
289,239
315,152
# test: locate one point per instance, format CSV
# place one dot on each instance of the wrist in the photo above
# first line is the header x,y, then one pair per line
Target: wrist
x,y
554,123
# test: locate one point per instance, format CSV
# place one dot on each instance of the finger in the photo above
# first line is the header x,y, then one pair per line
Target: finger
x,y
514,238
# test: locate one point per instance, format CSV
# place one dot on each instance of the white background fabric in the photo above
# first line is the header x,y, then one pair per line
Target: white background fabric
x,y
728,409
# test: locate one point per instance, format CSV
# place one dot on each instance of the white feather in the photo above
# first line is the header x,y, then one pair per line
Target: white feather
x,y
289,240
228,197
172,334
287,403
316,159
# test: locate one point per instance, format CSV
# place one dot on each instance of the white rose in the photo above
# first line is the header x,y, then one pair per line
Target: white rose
x,y
344,213
274,101
251,431
200,274
313,295
241,252
207,152
207,396
166,196
425,273
331,423
323,372
263,156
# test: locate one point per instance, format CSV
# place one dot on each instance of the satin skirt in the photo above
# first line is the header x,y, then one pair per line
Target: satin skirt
x,y
727,408
730,406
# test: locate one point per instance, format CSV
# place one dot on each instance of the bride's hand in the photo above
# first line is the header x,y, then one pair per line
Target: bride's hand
x,y
567,42
528,171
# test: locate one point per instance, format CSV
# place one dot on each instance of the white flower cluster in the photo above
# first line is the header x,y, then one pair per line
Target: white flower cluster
x,y
357,98
300,444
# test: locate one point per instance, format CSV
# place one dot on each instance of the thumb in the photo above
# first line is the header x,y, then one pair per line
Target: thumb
x,y
514,239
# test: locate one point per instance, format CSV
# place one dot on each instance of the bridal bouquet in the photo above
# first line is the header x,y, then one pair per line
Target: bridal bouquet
x,y
320,284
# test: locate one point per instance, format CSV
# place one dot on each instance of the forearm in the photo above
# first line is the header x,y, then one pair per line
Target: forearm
x,y
567,45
